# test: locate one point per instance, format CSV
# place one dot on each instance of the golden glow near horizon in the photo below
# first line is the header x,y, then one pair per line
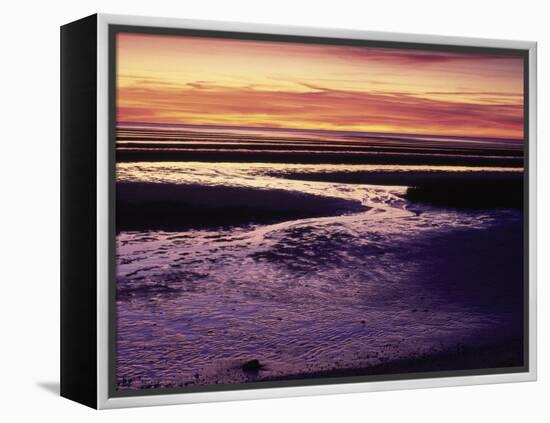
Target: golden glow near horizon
x,y
207,81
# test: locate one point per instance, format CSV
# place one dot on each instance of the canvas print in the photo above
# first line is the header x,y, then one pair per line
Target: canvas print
x,y
300,210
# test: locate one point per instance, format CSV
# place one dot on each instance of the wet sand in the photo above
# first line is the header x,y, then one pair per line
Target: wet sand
x,y
241,272
456,310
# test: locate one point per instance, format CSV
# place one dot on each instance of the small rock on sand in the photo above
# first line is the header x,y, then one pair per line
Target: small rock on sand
x,y
251,366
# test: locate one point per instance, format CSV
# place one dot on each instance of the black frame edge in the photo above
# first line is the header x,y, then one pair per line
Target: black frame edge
x,y
78,118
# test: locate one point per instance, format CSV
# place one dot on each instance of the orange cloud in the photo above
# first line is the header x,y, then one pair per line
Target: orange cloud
x,y
190,80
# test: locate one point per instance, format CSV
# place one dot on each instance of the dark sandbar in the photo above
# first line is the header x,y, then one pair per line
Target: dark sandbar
x,y
142,205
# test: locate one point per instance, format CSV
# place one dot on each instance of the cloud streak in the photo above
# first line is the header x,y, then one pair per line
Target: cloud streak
x,y
319,108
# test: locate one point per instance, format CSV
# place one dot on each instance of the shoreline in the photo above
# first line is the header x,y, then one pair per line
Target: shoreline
x,y
461,190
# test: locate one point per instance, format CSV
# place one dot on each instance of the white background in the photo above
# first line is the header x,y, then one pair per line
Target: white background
x,y
29,237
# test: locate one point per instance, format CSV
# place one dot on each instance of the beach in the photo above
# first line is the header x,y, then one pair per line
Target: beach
x,y
234,272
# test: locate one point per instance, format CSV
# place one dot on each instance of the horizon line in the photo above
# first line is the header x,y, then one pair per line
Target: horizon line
x,y
305,130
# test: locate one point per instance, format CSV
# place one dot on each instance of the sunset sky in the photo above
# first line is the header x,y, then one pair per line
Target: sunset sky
x,y
207,81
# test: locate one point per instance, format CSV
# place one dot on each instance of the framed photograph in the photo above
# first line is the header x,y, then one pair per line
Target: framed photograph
x,y
253,211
